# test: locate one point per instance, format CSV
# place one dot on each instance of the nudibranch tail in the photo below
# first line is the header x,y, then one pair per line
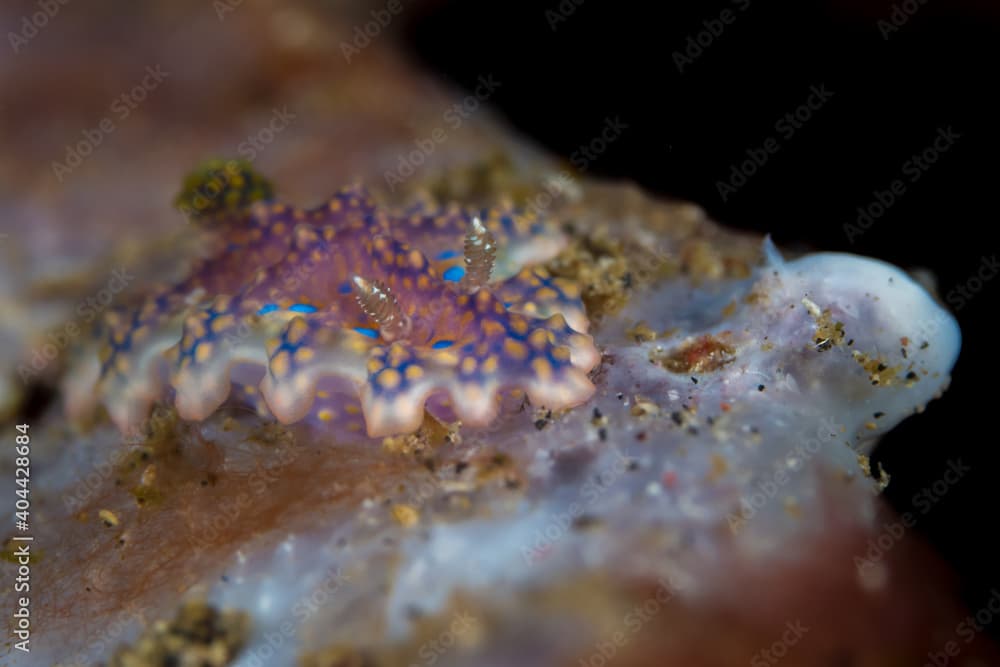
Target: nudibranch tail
x,y
345,311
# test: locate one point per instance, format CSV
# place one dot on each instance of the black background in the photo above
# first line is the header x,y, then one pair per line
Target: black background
x,y
893,90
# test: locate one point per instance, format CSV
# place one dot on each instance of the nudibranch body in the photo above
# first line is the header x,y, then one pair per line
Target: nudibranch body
x,y
343,309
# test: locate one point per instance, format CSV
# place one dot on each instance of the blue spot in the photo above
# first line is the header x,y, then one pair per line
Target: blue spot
x,y
365,331
447,254
268,308
454,274
302,308
507,304
345,287
441,344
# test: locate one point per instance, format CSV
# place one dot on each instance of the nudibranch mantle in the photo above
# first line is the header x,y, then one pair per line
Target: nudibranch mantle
x,y
285,313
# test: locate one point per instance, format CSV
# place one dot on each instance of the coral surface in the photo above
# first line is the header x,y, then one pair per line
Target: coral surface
x,y
698,495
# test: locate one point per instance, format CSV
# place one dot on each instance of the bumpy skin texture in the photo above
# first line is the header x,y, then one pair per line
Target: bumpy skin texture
x,y
273,313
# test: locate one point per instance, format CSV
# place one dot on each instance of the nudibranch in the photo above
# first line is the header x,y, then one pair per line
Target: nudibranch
x,y
347,309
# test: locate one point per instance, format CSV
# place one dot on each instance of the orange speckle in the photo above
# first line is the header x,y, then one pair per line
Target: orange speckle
x,y
515,349
389,378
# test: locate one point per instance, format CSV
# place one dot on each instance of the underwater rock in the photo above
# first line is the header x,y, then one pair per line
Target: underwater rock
x,y
709,504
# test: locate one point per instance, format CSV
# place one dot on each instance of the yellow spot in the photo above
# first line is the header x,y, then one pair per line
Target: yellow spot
x,y
570,290
278,228
469,365
539,339
278,208
380,244
397,355
416,260
405,515
375,365
414,372
515,349
272,347
482,298
109,518
329,233
323,393
389,378
542,369
561,353
446,358
280,363
423,282
388,257
492,328
317,256
122,364
352,409
195,328
203,352
250,389
304,354
498,308
325,414
519,325
462,300
297,330
546,294
105,353
490,365
335,205
408,283
222,323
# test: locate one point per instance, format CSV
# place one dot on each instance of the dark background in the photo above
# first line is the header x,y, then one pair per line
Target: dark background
x,y
893,90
